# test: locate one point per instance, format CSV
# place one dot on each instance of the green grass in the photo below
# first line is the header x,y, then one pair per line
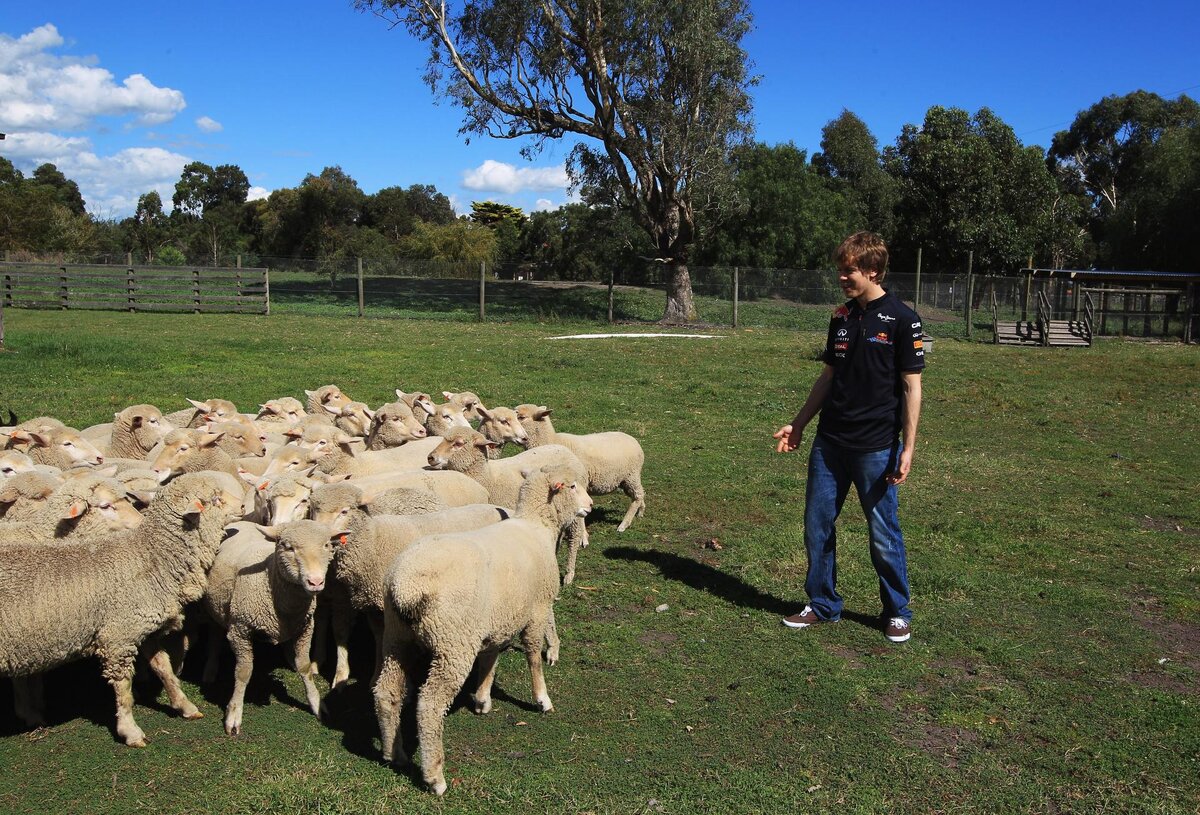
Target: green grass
x,y
1052,527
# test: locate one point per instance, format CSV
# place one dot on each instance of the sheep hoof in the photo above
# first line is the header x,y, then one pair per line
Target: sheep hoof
x,y
546,705
233,730
193,714
438,787
482,706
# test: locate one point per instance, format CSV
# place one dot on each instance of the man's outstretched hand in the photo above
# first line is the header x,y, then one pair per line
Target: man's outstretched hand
x,y
789,439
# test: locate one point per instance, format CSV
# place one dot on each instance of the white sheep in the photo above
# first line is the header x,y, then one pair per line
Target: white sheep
x,y
324,397
82,507
135,432
416,400
264,582
339,454
24,495
191,451
614,459
62,447
353,418
210,410
467,401
106,596
279,414
466,451
376,539
444,418
393,425
503,426
452,601
13,462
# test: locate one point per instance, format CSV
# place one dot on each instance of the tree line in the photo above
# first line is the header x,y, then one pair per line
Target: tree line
x,y
1118,189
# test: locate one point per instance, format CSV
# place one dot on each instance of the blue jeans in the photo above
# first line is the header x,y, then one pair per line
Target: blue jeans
x,y
831,471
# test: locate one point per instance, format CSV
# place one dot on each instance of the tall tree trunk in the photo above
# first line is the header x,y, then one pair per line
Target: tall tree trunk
x,y
681,306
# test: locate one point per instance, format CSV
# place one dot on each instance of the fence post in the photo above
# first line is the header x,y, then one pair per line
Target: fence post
x,y
63,289
267,289
129,258
1190,314
917,298
482,278
969,292
130,287
611,274
2,326
735,296
360,288
238,303
195,291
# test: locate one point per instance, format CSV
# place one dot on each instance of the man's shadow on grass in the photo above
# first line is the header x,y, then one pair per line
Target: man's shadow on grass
x,y
703,577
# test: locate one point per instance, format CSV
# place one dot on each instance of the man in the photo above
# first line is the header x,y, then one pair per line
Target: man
x,y
868,396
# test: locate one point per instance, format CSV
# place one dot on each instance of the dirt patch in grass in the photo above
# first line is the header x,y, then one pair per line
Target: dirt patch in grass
x,y
658,643
1179,644
1167,525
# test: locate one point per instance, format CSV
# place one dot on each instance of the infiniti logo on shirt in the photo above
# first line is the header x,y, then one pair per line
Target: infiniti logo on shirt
x,y
842,332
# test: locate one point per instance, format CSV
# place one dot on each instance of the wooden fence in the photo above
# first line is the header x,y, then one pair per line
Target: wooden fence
x,y
136,288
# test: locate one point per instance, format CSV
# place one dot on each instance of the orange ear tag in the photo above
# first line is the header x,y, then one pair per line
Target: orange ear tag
x,y
342,540
199,504
74,512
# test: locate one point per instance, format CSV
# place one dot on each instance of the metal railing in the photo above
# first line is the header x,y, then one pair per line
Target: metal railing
x,y
1089,314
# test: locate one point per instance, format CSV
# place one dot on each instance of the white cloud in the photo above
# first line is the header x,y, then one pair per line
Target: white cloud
x,y
257,194
544,205
209,125
497,176
42,91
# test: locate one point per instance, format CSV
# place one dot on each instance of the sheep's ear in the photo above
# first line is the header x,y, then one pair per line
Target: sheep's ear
x,y
484,412
137,421
271,533
542,412
399,393
526,472
370,414
75,509
33,436
342,437
249,477
200,406
208,439
557,486
8,493
140,498
336,411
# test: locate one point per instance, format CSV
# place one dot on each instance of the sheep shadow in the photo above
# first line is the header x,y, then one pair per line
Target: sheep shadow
x,y
705,578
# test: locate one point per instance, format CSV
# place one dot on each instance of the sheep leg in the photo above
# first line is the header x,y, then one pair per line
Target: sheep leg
x,y
341,622
160,663
447,673
532,638
391,690
213,661
376,624
576,537
552,642
633,488
485,664
307,668
28,700
118,670
243,652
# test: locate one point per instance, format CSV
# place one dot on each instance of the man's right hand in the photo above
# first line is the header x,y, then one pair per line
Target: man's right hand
x,y
789,439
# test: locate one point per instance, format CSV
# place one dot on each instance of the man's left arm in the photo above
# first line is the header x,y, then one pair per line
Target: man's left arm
x,y
910,383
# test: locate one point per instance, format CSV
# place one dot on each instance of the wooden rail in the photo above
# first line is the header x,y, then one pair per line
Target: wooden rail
x,y
135,288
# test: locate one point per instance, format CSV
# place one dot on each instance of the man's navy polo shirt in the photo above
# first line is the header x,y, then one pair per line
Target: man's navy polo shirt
x,y
869,347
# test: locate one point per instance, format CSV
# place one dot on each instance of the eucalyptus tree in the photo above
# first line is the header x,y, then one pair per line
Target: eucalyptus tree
x,y
655,93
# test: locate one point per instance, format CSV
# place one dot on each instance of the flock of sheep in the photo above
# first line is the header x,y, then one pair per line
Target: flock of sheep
x,y
119,540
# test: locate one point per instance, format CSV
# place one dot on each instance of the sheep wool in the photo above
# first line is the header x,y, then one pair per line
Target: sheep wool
x,y
106,596
453,601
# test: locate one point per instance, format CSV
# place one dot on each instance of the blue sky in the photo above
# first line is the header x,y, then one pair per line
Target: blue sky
x,y
120,95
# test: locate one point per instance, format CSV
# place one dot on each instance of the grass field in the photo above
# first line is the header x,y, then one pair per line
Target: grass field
x,y
1053,532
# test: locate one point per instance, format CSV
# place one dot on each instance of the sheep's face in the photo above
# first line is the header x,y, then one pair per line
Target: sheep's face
x,y
180,448
394,425
326,397
64,448
459,450
305,550
285,410
355,419
290,458
469,403
241,438
335,514
287,500
502,425
146,424
444,418
13,463
110,507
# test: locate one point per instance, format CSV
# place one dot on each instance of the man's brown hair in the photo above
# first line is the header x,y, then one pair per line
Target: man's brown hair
x,y
866,251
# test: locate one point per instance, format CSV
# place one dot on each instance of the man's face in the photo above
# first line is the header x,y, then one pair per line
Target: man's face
x,y
853,280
